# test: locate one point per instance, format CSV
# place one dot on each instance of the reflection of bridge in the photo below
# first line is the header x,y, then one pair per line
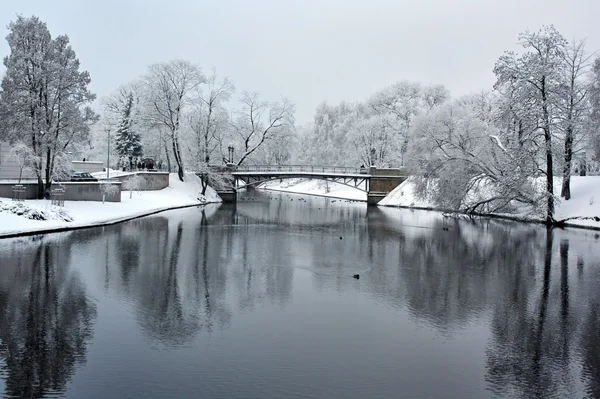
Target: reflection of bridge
x,y
376,182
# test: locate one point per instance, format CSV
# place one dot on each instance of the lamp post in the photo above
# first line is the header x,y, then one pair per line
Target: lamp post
x,y
230,150
108,153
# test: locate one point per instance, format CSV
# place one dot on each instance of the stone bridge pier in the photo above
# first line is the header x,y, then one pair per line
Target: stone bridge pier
x,y
382,182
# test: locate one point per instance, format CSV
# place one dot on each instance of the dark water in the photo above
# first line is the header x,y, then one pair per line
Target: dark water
x,y
257,300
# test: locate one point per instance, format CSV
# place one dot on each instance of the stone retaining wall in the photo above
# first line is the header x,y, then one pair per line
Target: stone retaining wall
x,y
152,180
31,190
89,191
74,191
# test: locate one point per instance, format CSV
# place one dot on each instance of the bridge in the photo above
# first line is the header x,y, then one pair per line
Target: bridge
x,y
376,182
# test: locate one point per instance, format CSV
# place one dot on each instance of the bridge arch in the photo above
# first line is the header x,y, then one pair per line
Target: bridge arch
x,y
354,183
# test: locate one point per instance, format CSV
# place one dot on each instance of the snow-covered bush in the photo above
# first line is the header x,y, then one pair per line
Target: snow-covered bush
x,y
134,183
108,190
24,210
24,157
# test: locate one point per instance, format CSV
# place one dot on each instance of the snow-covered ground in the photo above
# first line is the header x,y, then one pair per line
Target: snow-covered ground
x,y
404,196
584,202
315,187
91,213
112,173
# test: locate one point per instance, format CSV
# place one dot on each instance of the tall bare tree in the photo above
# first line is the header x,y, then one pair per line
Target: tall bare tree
x,y
258,121
594,97
168,86
405,100
573,105
208,118
537,74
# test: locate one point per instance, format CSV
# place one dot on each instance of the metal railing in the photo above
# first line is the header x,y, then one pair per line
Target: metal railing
x,y
302,168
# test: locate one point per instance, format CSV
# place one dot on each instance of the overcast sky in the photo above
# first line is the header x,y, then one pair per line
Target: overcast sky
x,y
307,50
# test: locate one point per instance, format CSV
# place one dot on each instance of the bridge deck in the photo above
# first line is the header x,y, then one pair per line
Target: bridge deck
x,y
302,168
300,174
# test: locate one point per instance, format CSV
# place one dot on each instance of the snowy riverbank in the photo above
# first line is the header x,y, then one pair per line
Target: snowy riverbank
x,y
78,214
584,202
316,187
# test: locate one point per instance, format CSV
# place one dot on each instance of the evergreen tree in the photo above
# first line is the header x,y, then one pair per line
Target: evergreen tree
x,y
127,139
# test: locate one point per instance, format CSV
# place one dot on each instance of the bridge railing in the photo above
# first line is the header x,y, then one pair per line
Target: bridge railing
x,y
302,168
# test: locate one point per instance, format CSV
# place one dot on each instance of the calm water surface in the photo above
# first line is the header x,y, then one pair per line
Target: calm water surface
x,y
257,300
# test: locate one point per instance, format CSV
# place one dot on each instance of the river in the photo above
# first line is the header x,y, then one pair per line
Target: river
x,y
257,300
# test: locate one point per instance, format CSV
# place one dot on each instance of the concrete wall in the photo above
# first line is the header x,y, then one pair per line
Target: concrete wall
x,y
30,190
88,191
87,166
9,168
152,180
74,191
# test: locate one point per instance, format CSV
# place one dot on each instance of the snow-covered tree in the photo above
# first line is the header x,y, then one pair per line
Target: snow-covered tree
x,y
326,143
23,156
109,189
573,106
208,118
594,126
536,76
127,137
461,160
374,140
135,182
256,121
44,96
404,101
167,89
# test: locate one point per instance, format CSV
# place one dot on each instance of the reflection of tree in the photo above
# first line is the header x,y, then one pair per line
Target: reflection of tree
x,y
534,338
591,352
446,278
178,286
128,250
162,309
46,322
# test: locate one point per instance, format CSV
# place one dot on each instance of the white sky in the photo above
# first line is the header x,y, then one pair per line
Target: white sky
x,y
307,50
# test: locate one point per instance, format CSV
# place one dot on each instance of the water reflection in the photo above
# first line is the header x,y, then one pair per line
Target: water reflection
x,y
540,340
46,319
258,297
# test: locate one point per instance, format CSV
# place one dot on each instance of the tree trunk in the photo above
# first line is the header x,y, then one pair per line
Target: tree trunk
x,y
566,185
168,157
178,159
48,173
206,133
204,180
40,193
549,162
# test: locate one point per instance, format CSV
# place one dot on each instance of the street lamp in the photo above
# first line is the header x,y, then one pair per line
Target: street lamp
x,y
230,150
108,153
